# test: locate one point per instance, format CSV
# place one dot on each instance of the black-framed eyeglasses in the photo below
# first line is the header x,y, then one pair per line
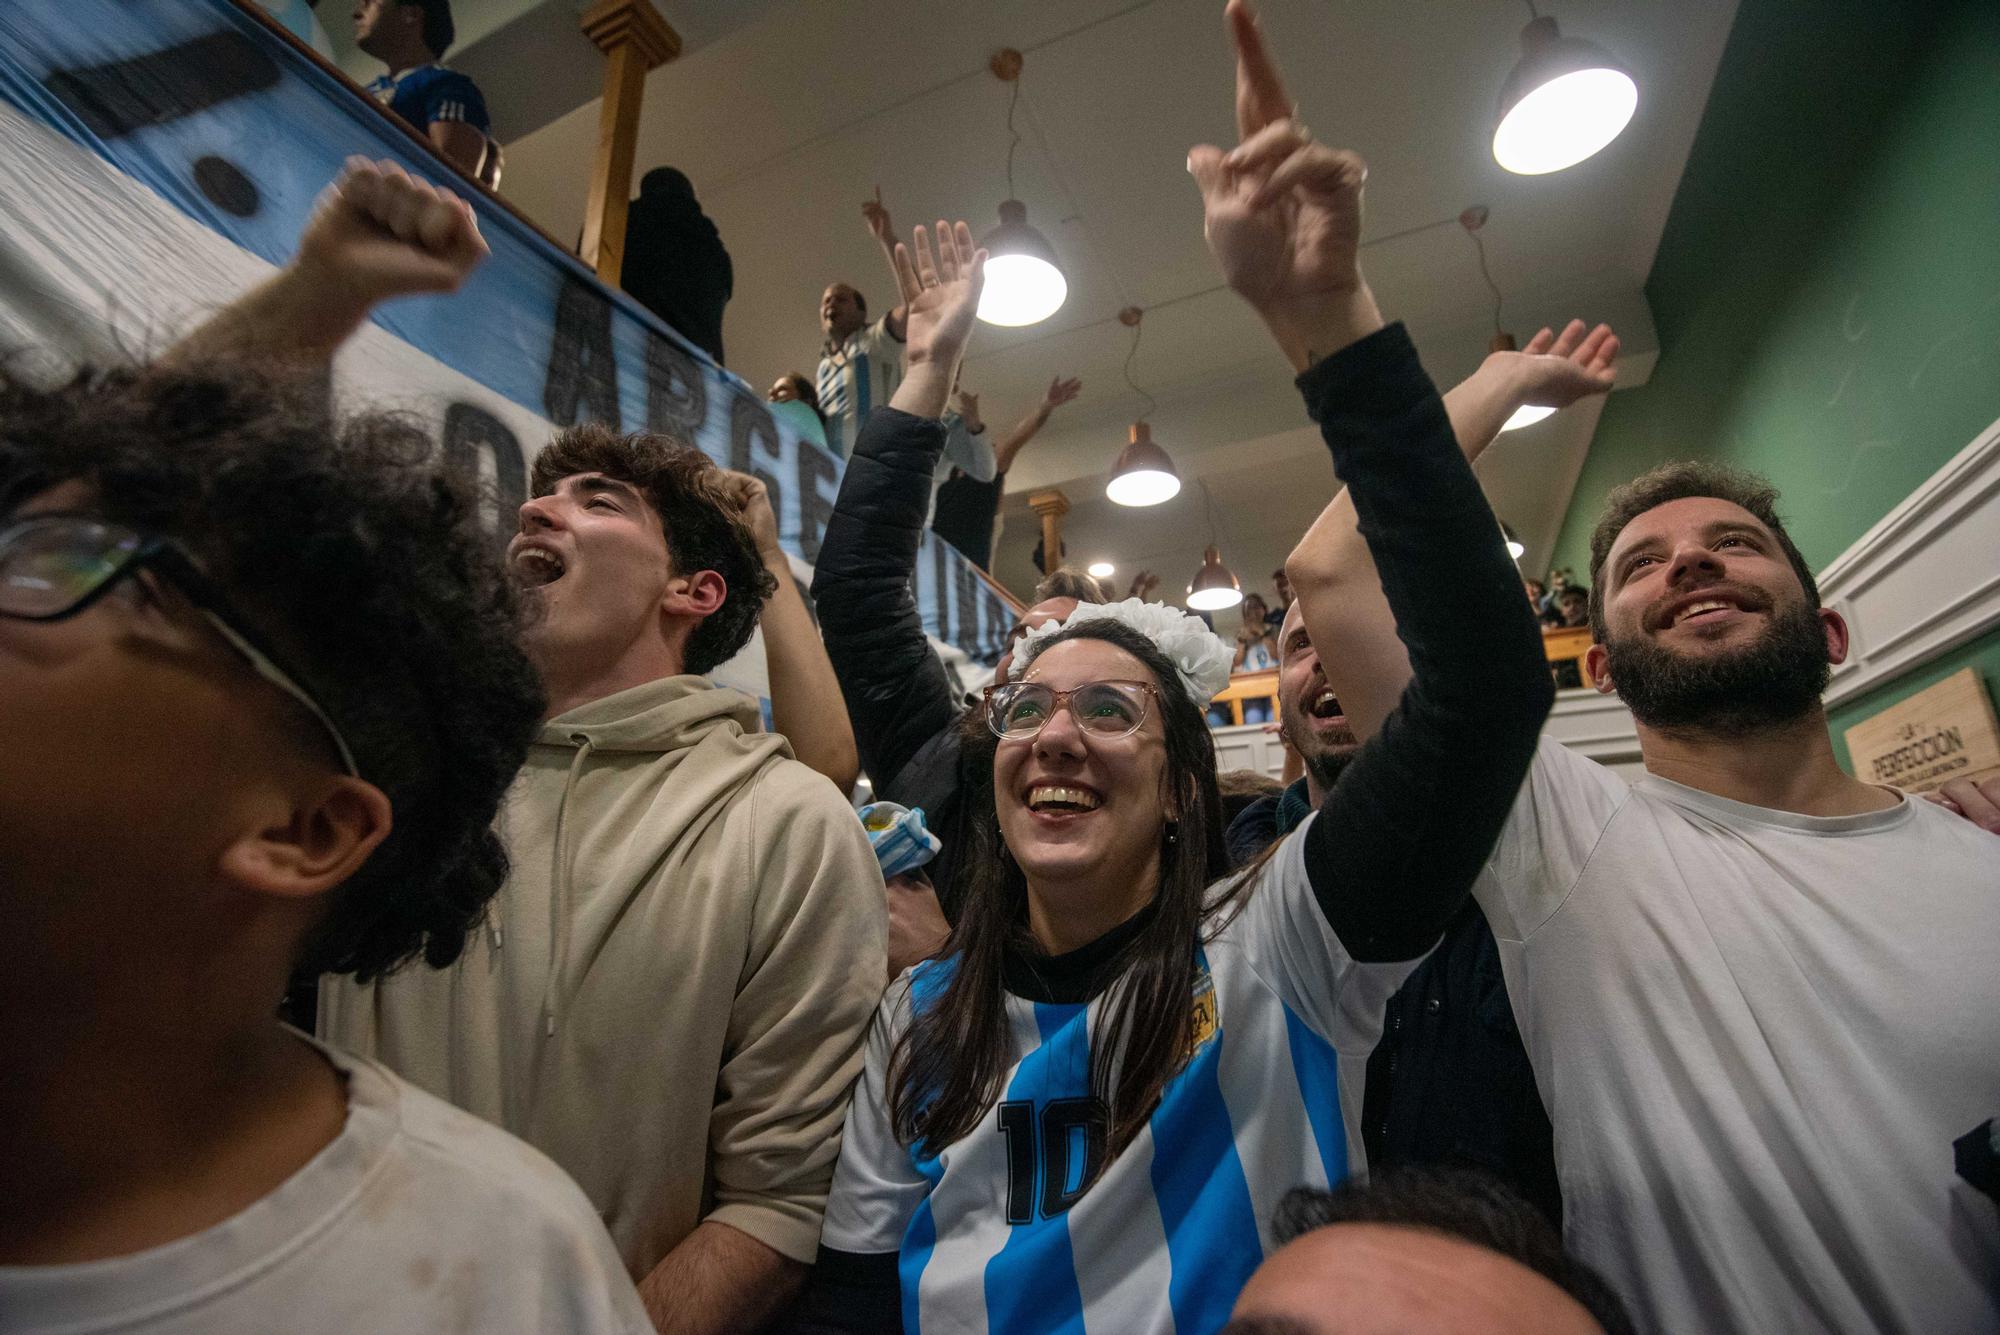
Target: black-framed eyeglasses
x,y
1107,709
53,566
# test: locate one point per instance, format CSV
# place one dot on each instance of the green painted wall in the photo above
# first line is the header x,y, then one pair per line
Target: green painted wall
x,y
1827,290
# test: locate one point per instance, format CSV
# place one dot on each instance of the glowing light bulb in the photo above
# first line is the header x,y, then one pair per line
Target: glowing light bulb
x,y
1214,586
1024,284
1144,473
1565,100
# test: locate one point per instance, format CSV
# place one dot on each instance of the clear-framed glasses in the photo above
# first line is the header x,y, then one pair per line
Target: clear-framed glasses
x,y
53,566
1108,709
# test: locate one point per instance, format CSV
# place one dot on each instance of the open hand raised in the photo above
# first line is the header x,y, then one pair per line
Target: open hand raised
x,y
1555,370
941,293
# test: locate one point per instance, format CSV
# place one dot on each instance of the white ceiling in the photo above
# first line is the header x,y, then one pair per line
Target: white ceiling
x,y
786,121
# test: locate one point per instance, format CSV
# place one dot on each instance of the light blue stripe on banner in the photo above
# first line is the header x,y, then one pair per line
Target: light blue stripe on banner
x,y
1316,1066
1204,1199
1031,1282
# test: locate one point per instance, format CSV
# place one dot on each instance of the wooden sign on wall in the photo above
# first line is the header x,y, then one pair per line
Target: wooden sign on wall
x,y
1943,732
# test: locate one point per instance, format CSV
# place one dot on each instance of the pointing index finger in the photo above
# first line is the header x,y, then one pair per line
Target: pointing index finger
x,y
1260,89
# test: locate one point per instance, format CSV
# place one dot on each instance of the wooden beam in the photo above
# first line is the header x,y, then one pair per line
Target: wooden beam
x,y
634,40
1051,505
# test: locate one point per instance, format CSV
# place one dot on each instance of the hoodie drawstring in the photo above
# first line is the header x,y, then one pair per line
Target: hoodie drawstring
x,y
559,901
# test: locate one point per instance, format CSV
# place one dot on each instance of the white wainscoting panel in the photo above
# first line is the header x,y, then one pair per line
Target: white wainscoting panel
x,y
1926,579
1248,746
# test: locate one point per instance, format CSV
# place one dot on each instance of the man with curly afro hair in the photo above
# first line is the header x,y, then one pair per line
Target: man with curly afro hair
x,y
670,996
262,697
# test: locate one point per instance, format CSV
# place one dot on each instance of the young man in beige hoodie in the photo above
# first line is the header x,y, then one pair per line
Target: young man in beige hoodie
x,y
669,994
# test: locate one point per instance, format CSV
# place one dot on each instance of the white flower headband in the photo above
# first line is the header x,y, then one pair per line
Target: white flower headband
x,y
1200,658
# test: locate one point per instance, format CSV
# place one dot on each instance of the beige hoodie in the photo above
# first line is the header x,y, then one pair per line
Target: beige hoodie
x,y
671,992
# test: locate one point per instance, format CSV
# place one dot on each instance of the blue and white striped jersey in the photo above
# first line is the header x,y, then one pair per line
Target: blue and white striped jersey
x,y
855,379
995,1234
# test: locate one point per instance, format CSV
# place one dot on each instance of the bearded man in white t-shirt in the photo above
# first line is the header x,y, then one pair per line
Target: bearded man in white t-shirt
x,y
1758,993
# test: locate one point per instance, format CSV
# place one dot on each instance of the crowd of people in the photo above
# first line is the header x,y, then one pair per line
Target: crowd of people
x,y
620,1026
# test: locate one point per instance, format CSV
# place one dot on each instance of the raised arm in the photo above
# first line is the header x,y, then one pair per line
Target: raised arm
x,y
1061,391
1333,562
897,692
806,707
376,233
460,143
884,231
1396,846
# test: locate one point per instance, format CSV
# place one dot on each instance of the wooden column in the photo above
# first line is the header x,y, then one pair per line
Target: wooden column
x,y
634,39
1051,505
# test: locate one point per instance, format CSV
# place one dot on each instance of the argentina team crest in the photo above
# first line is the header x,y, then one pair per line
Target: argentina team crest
x,y
1206,1025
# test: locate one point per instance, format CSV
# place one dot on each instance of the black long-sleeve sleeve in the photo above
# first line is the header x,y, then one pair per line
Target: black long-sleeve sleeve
x,y
898,694
1404,833
848,1293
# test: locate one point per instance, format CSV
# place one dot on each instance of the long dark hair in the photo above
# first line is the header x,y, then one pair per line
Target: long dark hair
x,y
951,1061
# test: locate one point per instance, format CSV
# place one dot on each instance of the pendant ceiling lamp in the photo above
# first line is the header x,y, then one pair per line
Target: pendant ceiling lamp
x,y
1515,547
1145,473
1024,280
1214,586
1472,220
1565,100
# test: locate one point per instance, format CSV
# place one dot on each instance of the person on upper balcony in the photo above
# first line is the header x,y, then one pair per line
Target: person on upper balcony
x,y
410,37
675,262
860,363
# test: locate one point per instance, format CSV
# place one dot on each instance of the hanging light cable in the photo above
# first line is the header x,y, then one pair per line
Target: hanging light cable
x,y
1145,473
1565,99
1214,586
1024,280
1472,220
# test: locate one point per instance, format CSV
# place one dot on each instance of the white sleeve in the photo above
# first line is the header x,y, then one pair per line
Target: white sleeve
x,y
878,343
971,454
1285,937
876,1190
1564,805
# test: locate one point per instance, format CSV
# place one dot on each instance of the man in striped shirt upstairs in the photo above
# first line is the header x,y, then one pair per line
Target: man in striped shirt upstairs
x,y
860,363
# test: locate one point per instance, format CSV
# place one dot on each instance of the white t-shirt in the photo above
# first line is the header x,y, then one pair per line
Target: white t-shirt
x,y
1757,1035
416,1218
995,1233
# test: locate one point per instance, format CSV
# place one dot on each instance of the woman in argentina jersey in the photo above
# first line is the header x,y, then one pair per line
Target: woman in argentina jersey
x,y
1080,1117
